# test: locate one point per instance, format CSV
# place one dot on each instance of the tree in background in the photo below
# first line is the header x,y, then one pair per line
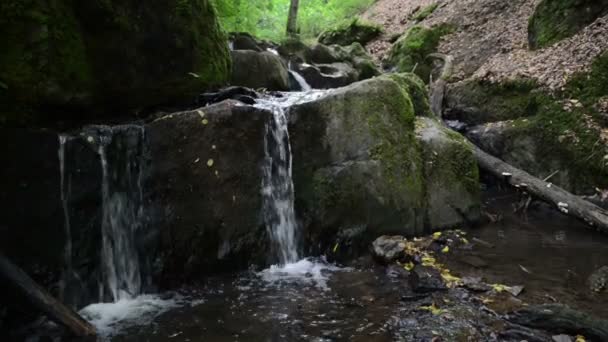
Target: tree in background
x,y
292,19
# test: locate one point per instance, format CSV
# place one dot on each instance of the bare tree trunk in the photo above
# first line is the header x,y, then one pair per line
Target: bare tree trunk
x,y
292,20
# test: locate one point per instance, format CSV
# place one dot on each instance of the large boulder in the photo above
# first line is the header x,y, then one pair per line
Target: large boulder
x,y
206,190
355,31
554,20
326,76
78,60
259,70
365,174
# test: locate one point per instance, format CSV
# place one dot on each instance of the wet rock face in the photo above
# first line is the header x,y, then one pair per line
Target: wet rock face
x,y
555,20
72,68
205,189
366,168
259,70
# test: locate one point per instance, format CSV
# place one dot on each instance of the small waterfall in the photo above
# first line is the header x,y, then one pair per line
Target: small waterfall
x,y
122,212
304,86
277,185
65,192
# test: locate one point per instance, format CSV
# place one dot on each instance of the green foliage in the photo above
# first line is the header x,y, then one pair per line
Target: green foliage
x,y
267,19
425,12
410,52
591,86
353,31
555,20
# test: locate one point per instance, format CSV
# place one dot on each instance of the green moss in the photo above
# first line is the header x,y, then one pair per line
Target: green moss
x,y
589,87
490,102
423,13
416,88
554,20
56,57
350,32
410,52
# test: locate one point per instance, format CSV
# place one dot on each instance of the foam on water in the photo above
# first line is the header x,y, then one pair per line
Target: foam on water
x,y
110,318
307,271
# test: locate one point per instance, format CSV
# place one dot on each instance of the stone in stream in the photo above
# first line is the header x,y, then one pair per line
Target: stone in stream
x,y
426,279
389,248
259,70
367,166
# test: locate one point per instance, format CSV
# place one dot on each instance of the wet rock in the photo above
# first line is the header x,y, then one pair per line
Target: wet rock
x,y
426,279
244,41
235,93
198,179
598,280
474,261
561,338
326,76
475,284
451,175
389,248
259,70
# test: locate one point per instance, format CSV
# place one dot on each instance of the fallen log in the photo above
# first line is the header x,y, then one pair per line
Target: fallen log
x,y
43,301
561,319
563,200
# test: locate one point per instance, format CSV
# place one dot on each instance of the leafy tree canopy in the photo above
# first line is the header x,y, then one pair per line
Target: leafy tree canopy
x,y
267,19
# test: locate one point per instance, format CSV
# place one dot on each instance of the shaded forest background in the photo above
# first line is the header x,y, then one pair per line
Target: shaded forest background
x,y
267,19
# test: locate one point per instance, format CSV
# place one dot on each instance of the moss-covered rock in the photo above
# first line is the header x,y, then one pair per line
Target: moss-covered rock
x,y
424,12
451,175
475,102
365,171
291,48
540,132
259,70
107,56
410,52
350,32
554,20
414,86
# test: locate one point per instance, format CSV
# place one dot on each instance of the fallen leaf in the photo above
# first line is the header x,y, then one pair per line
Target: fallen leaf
x,y
210,162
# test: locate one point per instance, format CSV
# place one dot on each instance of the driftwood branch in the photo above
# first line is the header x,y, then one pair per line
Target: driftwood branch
x,y
43,301
564,201
561,319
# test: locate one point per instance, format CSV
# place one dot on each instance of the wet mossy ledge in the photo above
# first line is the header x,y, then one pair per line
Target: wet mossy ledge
x,y
99,58
554,20
410,52
349,32
539,131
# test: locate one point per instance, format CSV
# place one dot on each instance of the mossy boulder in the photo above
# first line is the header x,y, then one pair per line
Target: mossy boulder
x,y
415,87
105,57
540,132
350,32
409,53
259,70
425,12
365,170
554,20
451,175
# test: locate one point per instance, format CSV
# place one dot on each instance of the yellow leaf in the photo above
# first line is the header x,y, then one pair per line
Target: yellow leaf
x,y
336,247
487,300
210,162
201,113
448,277
580,338
432,309
465,241
409,266
205,121
436,235
499,287
429,261
445,249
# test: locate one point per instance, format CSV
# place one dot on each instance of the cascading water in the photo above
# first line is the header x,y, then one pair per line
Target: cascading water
x,y
277,186
122,212
65,191
304,86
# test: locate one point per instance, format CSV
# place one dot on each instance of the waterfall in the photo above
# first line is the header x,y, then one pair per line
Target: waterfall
x,y
277,185
304,86
65,192
122,209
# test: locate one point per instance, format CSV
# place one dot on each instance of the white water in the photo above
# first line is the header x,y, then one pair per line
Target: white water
x,y
307,271
110,318
277,183
121,217
301,81
65,191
